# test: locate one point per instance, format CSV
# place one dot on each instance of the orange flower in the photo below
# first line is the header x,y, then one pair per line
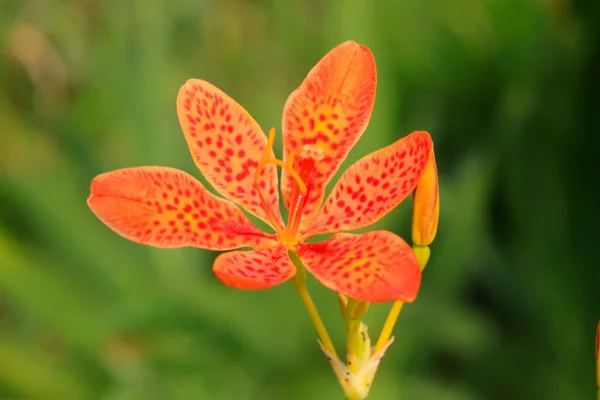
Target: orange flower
x,y
322,120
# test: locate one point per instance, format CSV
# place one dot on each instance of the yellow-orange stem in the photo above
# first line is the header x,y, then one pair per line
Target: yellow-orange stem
x,y
388,327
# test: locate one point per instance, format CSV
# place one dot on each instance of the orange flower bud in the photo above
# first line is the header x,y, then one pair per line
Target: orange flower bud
x,y
426,206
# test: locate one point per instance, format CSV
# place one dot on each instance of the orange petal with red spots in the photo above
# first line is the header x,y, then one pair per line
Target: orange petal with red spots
x,y
166,207
376,266
426,206
374,185
251,270
326,116
227,145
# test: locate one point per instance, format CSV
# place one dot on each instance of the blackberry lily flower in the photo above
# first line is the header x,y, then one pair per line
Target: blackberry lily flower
x,y
322,120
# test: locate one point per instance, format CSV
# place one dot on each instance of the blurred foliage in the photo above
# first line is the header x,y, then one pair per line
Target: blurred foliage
x,y
511,297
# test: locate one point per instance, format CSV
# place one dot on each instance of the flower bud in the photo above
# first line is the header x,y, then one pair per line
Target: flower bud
x,y
426,206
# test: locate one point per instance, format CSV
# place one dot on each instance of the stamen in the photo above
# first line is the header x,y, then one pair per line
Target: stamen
x,y
299,192
261,166
294,174
309,155
266,156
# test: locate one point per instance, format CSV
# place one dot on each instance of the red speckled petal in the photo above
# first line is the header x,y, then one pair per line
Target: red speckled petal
x,y
374,185
426,206
376,266
328,112
227,145
166,207
251,270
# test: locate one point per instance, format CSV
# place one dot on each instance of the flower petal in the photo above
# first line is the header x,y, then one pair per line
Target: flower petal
x,y
426,206
259,269
166,207
376,266
374,185
329,111
227,145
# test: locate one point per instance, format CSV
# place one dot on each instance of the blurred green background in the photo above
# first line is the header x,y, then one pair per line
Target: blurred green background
x,y
511,297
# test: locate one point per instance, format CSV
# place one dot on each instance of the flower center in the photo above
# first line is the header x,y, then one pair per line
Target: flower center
x,y
314,152
299,166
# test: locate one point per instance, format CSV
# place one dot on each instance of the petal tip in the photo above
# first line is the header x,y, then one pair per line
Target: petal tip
x,y
352,44
424,135
95,191
90,200
348,43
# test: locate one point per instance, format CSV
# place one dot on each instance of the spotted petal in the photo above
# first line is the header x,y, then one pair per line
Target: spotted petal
x,y
227,145
376,266
259,269
166,207
374,185
328,112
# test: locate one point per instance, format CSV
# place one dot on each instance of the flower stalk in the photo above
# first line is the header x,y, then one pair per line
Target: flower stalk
x,y
299,281
388,326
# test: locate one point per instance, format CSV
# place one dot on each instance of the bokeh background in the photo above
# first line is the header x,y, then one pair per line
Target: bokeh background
x,y
511,297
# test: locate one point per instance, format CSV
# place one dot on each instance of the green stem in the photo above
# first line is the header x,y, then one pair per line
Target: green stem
x,y
299,281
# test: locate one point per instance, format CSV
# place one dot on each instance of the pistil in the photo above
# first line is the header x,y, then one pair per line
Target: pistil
x,y
288,235
298,195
